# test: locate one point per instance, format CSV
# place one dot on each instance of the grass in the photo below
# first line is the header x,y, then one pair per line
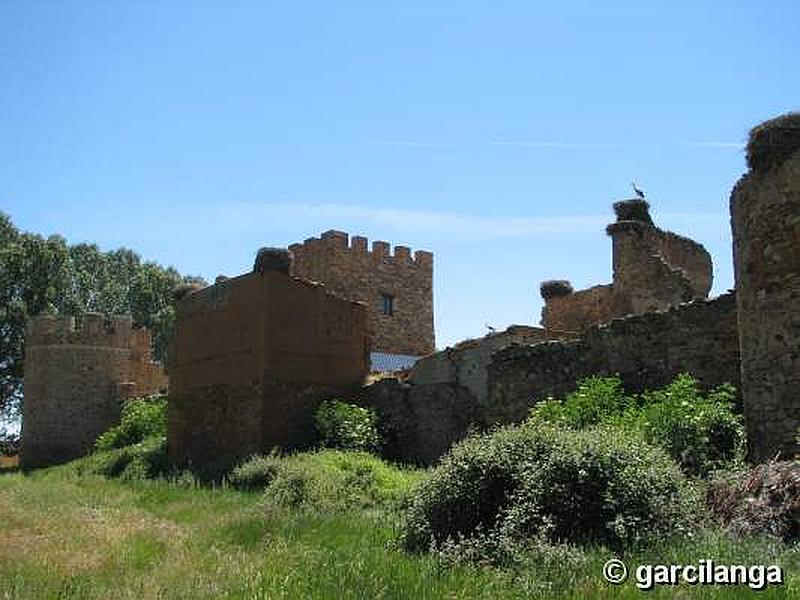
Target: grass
x,y
67,535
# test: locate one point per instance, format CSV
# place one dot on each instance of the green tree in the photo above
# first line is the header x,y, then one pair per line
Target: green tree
x,y
47,275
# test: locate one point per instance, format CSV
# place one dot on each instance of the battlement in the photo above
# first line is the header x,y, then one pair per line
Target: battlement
x,y
359,245
395,284
90,329
78,371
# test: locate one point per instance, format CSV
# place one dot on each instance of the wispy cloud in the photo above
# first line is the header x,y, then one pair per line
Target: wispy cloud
x,y
555,144
422,223
408,143
712,144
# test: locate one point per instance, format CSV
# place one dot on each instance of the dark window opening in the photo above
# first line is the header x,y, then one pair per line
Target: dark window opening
x,y
388,304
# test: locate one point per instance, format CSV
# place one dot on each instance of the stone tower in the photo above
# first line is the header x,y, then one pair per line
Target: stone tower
x,y
398,288
765,219
76,379
253,356
653,270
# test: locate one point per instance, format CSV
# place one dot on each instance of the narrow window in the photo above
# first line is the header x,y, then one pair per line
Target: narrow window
x,y
388,304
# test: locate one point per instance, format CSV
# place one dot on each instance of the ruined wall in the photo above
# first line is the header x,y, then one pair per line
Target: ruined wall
x,y
349,270
419,423
465,364
645,279
653,269
765,218
252,357
76,378
576,311
446,393
647,351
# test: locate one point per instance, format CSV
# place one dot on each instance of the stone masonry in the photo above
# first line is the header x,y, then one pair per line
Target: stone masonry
x,y
765,218
498,379
253,356
647,352
397,288
76,379
653,269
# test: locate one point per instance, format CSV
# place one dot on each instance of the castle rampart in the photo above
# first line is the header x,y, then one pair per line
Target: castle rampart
x,y
76,377
647,351
765,218
653,269
253,356
397,287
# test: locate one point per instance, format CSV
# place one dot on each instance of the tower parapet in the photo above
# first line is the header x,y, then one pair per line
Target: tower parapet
x,y
396,285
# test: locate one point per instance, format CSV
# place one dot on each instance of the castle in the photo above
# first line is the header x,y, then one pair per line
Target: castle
x,y
252,356
653,269
397,288
77,375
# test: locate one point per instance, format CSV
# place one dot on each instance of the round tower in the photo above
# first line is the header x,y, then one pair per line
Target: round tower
x,y
765,220
75,381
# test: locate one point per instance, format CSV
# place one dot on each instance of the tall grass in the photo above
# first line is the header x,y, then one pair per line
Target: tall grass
x,y
65,535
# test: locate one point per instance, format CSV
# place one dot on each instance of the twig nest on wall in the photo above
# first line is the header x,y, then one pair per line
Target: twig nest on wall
x,y
554,288
773,141
635,209
273,259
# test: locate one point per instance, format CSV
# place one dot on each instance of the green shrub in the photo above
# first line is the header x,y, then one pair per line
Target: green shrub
x,y
336,480
702,432
144,460
346,426
535,483
141,418
255,473
596,400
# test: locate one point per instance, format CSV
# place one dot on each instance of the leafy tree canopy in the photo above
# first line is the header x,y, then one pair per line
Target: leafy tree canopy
x,y
48,275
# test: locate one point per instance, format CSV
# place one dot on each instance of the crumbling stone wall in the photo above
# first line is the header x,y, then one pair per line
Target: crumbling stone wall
x,y
445,394
570,311
653,269
349,270
465,364
76,378
253,356
765,218
646,351
418,423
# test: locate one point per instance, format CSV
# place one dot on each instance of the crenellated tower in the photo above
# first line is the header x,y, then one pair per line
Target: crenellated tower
x,y
397,287
77,374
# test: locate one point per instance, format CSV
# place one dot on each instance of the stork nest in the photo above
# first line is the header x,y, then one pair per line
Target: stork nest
x,y
773,141
764,499
635,209
555,288
272,259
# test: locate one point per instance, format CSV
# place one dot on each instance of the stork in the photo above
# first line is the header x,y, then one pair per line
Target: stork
x,y
639,193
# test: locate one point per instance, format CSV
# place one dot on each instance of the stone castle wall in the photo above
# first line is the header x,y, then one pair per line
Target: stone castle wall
x,y
349,270
466,364
444,397
647,352
653,269
76,379
252,357
765,218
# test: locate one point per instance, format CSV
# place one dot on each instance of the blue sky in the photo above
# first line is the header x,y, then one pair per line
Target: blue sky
x,y
495,134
